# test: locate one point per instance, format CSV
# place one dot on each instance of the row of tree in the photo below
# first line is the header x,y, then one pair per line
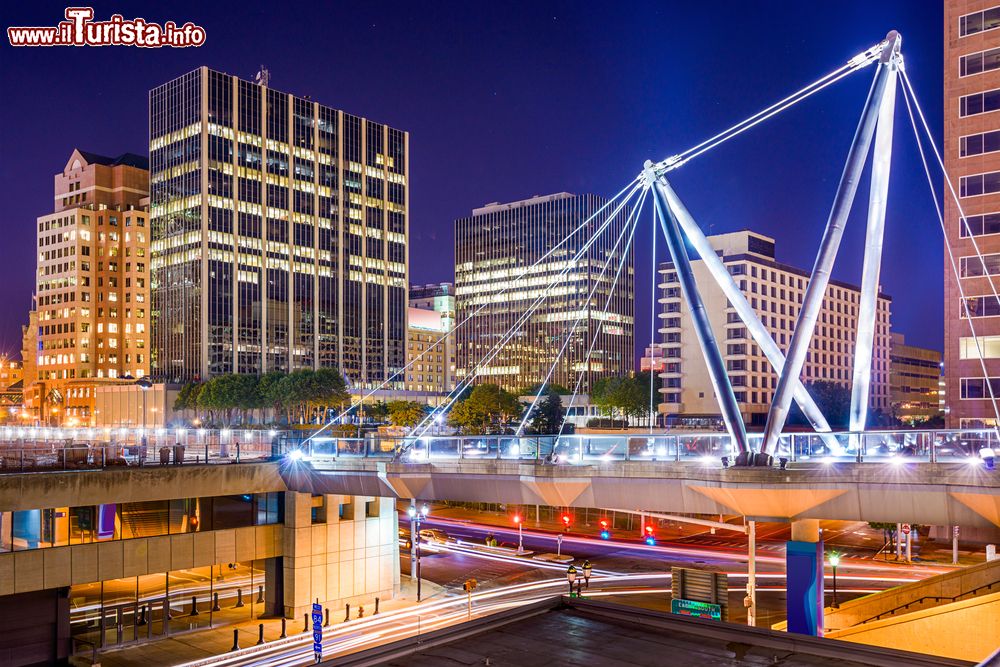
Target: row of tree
x,y
303,396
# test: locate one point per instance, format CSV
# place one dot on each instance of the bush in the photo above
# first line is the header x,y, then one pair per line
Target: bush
x,y
606,422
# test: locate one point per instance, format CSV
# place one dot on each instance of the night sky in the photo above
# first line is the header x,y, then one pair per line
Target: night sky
x,y
507,100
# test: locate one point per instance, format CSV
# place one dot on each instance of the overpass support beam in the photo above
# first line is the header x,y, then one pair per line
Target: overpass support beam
x,y
699,315
804,578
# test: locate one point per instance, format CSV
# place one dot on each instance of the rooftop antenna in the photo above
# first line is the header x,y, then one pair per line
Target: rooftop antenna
x,y
263,77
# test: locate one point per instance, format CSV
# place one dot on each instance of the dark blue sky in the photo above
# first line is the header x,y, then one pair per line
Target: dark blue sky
x,y
507,100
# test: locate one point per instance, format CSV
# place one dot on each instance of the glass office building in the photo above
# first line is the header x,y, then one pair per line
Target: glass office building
x,y
495,287
279,231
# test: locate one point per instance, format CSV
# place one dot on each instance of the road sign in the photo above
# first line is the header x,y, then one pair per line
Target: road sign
x,y
317,619
906,529
696,609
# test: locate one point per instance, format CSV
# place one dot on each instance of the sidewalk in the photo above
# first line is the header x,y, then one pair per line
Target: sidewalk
x,y
202,644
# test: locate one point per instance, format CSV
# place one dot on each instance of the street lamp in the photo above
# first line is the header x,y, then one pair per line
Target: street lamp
x,y
834,562
571,577
416,516
587,569
520,533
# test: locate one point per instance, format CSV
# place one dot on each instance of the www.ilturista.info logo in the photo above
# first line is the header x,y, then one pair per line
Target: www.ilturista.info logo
x,y
79,29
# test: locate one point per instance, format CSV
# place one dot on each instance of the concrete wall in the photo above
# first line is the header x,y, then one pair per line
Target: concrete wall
x,y
40,569
350,559
951,584
966,630
125,485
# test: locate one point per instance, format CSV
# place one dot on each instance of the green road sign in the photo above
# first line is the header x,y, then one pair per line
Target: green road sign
x,y
696,609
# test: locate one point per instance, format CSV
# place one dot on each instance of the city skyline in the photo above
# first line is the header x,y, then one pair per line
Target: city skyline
x,y
493,105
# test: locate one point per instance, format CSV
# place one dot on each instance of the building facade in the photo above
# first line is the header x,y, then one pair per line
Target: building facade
x,y
439,297
775,292
914,381
972,160
498,277
114,562
92,290
280,233
430,352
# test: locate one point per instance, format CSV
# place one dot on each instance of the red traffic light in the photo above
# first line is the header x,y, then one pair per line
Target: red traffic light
x,y
565,518
517,518
604,523
649,530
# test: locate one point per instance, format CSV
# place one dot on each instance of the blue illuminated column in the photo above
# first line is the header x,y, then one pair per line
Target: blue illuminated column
x,y
804,578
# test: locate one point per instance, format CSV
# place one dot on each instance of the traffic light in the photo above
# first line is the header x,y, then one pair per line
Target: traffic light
x,y
605,531
650,537
565,520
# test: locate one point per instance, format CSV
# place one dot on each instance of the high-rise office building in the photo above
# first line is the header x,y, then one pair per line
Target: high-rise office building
x,y
972,160
279,233
92,286
914,381
500,242
775,292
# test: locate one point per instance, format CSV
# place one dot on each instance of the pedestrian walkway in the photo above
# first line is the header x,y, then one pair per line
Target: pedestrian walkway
x,y
202,644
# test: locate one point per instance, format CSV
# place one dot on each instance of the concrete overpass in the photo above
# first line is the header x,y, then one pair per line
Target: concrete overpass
x,y
926,493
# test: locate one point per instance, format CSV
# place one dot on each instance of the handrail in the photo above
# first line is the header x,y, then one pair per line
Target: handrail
x,y
936,598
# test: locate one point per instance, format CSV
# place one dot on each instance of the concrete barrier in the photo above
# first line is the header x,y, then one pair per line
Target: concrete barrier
x,y
964,630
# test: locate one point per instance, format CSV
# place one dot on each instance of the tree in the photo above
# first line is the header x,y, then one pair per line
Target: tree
x,y
624,396
832,399
405,413
547,417
487,409
268,392
552,386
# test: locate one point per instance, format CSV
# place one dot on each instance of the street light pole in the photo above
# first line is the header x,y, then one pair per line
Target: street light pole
x,y
415,518
834,562
520,533
571,577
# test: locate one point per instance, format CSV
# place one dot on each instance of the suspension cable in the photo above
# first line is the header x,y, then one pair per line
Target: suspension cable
x,y
631,221
630,188
907,93
859,61
593,343
652,322
521,320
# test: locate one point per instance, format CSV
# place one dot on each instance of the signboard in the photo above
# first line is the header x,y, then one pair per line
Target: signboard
x,y
317,619
689,586
906,529
696,609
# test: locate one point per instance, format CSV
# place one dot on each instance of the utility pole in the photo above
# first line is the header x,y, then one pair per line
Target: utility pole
x,y
954,545
751,599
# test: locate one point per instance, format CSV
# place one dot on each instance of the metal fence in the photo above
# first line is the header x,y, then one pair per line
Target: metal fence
x,y
27,449
895,446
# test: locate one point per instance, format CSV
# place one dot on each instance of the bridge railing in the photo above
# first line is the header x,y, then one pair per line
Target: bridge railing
x,y
54,449
860,447
25,450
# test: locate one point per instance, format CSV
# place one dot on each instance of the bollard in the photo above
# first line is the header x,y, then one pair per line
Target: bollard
x,y
239,598
327,623
305,623
236,641
283,635
215,603
347,613
361,612
376,606
194,606
260,594
260,634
